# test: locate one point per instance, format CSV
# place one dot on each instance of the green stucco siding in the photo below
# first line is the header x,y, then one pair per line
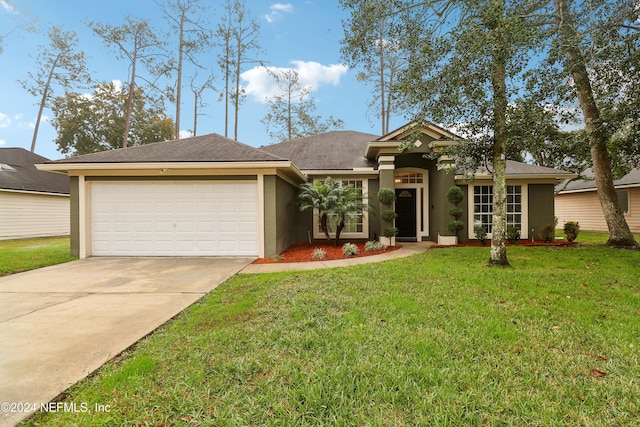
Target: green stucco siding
x,y
541,207
284,225
75,215
439,184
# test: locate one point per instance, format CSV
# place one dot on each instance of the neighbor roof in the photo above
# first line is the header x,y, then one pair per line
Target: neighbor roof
x,y
206,148
632,179
18,173
336,150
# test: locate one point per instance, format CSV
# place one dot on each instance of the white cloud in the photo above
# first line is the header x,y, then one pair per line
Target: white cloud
x,y
185,134
277,10
8,7
3,142
5,121
261,85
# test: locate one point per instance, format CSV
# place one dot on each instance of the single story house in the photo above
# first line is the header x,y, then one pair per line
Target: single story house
x,y
211,196
578,200
33,203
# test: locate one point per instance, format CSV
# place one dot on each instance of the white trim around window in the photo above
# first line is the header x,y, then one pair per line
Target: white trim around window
x,y
480,204
363,225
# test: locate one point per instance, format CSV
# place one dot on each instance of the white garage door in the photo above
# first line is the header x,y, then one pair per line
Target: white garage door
x,y
174,218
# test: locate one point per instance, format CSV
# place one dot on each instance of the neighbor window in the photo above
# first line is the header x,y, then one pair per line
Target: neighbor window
x,y
623,200
483,207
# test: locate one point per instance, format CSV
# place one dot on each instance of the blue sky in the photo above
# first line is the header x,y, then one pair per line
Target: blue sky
x,y
304,35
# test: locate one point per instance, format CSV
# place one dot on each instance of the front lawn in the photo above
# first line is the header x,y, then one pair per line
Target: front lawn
x,y
434,339
29,254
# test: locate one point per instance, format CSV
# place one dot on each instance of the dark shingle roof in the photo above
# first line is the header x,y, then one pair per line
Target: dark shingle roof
x,y
337,150
519,168
17,172
630,179
206,148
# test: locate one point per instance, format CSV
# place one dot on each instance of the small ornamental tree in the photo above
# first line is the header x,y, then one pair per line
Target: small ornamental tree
x,y
331,198
386,197
455,196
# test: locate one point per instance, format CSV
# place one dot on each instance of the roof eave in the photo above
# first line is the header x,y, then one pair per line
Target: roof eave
x,y
520,176
374,148
164,166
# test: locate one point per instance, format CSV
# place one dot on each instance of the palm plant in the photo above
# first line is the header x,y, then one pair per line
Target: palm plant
x,y
320,195
331,198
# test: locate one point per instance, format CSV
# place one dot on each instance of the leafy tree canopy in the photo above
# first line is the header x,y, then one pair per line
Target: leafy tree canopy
x,y
96,122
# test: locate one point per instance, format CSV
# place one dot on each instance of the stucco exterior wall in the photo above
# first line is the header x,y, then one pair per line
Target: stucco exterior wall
x,y
439,184
74,215
585,208
27,215
541,207
284,225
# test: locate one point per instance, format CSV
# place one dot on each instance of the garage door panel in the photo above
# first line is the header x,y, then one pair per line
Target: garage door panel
x,y
174,218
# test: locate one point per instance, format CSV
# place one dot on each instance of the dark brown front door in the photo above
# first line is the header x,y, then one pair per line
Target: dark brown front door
x,y
406,210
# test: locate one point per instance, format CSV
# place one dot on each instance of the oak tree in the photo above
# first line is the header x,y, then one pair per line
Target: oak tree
x,y
86,123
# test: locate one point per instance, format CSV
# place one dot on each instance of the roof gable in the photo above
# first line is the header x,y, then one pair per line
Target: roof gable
x,y
20,174
433,132
206,148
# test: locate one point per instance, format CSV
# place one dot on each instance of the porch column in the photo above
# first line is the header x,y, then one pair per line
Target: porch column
x,y
386,168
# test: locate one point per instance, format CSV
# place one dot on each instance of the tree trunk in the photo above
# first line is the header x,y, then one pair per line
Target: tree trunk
x,y
129,108
339,229
383,113
498,253
620,235
325,228
195,114
179,83
237,97
227,73
42,102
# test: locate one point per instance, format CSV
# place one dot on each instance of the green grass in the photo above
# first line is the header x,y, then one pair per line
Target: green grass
x,y
434,339
592,237
29,254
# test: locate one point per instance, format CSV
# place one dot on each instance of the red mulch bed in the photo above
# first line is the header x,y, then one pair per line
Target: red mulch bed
x,y
301,252
520,243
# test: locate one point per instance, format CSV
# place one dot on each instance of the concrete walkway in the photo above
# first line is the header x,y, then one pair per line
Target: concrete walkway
x,y
407,249
60,323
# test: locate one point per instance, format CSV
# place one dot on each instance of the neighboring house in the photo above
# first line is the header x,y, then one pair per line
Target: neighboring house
x,y
578,201
211,196
33,203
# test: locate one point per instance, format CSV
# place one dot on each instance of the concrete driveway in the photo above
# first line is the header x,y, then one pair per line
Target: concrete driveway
x,y
60,323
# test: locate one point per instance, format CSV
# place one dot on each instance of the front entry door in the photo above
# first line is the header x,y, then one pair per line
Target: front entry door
x,y
406,210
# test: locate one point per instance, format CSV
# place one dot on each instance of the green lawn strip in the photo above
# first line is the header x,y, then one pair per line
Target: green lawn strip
x,y
434,339
586,237
28,254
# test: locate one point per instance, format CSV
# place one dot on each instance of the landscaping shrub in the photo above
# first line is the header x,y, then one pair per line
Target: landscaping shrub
x,y
386,196
547,233
571,230
319,253
349,249
373,245
455,226
513,235
481,235
388,216
390,232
